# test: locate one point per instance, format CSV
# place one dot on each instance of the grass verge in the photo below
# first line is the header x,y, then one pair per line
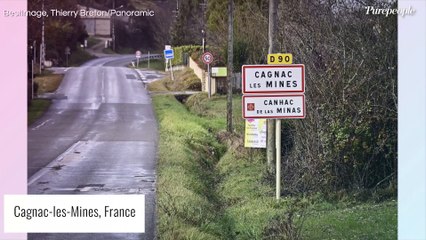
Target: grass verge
x,y
47,82
37,109
188,207
210,187
92,41
79,56
360,221
183,80
155,64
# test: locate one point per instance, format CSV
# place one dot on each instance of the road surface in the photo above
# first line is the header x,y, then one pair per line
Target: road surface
x,y
98,137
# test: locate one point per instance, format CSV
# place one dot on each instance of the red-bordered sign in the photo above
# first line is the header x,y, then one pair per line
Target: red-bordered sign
x,y
274,106
289,78
207,58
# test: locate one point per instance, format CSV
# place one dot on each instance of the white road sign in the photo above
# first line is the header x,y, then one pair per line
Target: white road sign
x,y
288,78
138,54
274,106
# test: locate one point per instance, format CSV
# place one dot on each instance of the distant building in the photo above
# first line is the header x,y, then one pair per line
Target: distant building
x,y
97,22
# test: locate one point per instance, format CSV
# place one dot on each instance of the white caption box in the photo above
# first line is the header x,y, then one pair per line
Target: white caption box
x,y
74,213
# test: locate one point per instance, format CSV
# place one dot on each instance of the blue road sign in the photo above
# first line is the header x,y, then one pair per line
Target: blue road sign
x,y
168,54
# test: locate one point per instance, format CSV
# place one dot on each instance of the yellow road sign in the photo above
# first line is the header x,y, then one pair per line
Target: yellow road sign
x,y
280,58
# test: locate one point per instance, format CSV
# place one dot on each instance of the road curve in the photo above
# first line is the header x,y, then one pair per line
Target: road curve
x,y
98,137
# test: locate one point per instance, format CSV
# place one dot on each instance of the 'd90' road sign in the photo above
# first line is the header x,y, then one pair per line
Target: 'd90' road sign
x,y
280,58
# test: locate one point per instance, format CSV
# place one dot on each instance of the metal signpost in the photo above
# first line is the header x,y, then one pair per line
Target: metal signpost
x,y
149,56
67,53
169,55
207,58
274,92
138,56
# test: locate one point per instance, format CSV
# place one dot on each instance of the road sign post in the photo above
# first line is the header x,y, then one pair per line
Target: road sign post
x,y
149,56
67,53
169,55
207,58
274,92
138,56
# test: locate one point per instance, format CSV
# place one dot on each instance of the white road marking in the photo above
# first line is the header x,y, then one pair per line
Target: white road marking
x,y
40,125
52,164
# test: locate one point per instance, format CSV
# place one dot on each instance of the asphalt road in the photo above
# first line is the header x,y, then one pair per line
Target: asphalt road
x,y
98,137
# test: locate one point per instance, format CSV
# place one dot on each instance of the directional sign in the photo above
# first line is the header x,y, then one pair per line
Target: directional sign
x,y
207,58
274,106
273,78
138,54
168,54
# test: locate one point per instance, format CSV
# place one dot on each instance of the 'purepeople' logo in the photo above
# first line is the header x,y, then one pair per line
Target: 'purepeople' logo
x,y
390,11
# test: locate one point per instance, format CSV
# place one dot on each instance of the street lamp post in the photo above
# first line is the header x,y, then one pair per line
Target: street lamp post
x,y
32,71
113,27
42,45
204,39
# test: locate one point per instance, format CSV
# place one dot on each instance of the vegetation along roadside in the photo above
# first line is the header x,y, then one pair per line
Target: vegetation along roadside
x,y
211,187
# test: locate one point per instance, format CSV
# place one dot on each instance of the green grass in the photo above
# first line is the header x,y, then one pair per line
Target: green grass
x,y
215,110
361,221
187,204
211,187
48,82
183,80
155,64
125,51
118,51
37,109
108,51
79,57
92,41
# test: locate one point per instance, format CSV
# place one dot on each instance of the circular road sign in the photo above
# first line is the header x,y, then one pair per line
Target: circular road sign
x,y
207,58
138,54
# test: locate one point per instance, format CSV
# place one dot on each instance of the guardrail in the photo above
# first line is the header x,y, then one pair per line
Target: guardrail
x,y
151,56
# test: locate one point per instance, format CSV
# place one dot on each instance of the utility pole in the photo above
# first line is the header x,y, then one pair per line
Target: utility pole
x,y
35,51
177,9
113,27
42,45
270,124
230,64
270,141
203,23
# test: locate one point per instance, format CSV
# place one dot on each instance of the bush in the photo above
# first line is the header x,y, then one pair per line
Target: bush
x,y
179,53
